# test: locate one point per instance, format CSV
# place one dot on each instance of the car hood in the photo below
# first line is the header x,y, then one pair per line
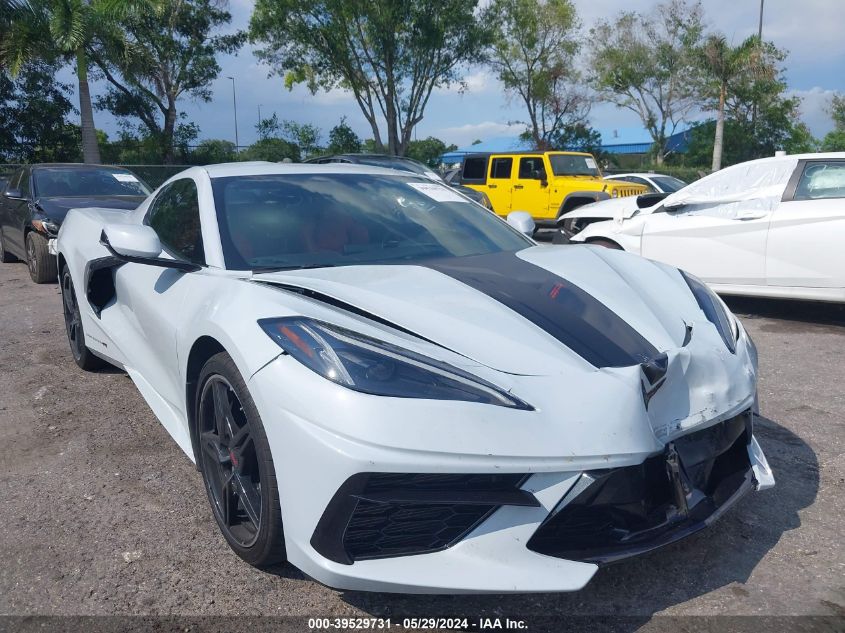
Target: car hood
x,y
56,208
540,311
605,208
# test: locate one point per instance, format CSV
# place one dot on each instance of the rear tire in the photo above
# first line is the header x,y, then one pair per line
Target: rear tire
x,y
82,356
5,256
237,468
42,266
607,244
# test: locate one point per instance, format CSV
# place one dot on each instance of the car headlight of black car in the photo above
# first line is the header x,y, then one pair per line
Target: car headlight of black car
x,y
46,226
714,310
372,366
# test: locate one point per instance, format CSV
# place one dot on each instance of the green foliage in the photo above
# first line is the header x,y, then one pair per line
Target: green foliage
x,y
213,151
33,112
390,55
343,140
272,149
834,141
648,64
428,151
759,118
533,54
304,136
153,58
578,137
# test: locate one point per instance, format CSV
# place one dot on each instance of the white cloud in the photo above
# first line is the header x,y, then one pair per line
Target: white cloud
x,y
815,103
465,134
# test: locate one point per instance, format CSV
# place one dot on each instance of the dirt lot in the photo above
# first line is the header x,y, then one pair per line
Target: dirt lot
x,y
102,514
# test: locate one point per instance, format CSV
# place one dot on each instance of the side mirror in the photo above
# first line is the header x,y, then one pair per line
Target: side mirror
x,y
14,194
522,222
649,199
139,244
544,182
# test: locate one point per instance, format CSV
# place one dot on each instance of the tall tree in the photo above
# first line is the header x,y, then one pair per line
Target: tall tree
x,y
51,30
155,57
647,63
391,55
33,112
429,150
343,140
834,141
725,65
533,53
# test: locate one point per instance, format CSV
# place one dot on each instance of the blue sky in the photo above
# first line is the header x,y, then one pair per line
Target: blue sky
x,y
811,30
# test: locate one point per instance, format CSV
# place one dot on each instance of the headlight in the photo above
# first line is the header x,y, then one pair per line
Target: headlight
x,y
46,226
371,366
714,309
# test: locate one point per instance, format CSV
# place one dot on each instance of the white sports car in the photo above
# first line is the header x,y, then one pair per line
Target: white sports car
x,y
394,390
772,227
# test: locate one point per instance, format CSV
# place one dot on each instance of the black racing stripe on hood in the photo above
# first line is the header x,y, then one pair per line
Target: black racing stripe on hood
x,y
568,313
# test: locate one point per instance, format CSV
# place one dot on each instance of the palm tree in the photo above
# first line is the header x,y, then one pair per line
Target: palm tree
x,y
52,29
724,64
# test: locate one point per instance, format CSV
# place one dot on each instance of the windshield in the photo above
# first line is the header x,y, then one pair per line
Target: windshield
x,y
78,182
314,220
668,184
574,165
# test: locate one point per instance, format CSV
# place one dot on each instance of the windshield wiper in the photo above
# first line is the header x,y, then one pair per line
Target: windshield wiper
x,y
272,269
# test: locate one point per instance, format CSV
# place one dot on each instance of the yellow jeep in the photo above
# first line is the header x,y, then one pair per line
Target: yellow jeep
x,y
545,184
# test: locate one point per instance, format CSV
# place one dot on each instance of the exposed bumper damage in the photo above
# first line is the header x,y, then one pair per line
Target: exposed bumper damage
x,y
613,514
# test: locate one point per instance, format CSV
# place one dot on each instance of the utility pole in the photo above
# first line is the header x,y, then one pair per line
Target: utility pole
x,y
760,46
235,105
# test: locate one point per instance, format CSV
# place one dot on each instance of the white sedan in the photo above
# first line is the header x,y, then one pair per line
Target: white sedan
x,y
656,183
394,390
772,227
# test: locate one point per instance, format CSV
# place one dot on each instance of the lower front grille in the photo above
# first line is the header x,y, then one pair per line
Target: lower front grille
x,y
622,512
378,515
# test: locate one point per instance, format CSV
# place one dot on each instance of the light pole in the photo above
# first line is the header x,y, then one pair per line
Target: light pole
x,y
760,49
235,106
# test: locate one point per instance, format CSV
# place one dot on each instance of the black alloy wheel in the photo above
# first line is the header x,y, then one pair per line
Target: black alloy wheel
x,y
236,465
82,356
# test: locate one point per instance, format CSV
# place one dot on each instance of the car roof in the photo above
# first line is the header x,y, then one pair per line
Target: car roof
x,y
77,165
266,169
527,152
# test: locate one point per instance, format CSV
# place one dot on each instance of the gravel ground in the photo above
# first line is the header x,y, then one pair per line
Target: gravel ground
x,y
103,514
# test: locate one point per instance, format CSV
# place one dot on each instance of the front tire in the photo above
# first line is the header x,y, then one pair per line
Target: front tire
x,y
82,356
42,265
236,464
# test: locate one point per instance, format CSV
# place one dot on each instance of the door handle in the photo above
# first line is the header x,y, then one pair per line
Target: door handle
x,y
492,186
751,215
518,186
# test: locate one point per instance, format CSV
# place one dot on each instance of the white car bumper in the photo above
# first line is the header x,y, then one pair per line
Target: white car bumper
x,y
315,456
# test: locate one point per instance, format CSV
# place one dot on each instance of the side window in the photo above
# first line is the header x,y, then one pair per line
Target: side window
x,y
14,179
175,216
821,179
531,168
474,169
23,184
501,168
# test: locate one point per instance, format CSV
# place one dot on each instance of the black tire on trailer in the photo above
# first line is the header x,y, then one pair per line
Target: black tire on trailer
x,y
42,266
236,464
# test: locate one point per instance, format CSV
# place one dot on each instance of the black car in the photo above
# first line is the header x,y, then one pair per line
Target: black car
x,y
36,199
402,164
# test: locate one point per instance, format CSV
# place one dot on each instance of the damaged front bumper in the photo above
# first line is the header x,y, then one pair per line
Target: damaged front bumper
x,y
612,514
